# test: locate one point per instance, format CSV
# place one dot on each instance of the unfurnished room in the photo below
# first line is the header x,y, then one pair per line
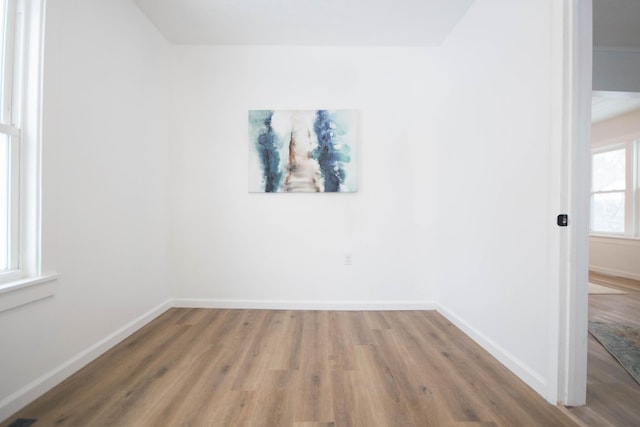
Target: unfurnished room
x,y
447,257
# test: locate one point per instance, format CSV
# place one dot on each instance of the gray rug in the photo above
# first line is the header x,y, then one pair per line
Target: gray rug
x,y
22,422
623,342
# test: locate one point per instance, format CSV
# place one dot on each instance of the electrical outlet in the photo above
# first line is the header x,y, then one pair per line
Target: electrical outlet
x,y
348,259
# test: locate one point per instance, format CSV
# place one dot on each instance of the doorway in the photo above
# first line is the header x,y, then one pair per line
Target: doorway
x,y
614,276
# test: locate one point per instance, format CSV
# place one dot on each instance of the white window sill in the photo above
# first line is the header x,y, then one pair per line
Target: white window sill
x,y
614,236
24,291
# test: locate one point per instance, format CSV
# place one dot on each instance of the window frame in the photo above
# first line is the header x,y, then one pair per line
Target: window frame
x,y
11,68
14,179
631,146
27,282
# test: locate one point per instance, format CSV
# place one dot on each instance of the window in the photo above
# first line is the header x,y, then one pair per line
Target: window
x,y
614,190
21,35
9,141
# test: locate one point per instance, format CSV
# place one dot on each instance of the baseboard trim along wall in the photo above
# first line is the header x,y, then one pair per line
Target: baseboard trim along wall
x,y
27,394
613,272
306,305
526,374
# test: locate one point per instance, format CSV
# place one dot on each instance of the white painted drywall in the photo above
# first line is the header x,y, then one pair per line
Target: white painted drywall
x,y
622,128
235,248
497,156
616,69
613,255
453,204
107,74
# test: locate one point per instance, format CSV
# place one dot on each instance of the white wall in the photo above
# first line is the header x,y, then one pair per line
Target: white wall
x,y
275,250
616,70
617,256
455,202
107,74
453,205
496,153
618,129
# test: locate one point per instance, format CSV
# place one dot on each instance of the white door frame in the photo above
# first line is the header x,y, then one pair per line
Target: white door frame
x,y
575,165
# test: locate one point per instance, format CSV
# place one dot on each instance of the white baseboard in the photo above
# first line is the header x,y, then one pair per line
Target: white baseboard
x,y
27,394
305,305
525,373
614,272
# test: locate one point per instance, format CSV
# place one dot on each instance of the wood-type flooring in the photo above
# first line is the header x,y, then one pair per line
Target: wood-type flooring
x,y
210,367
613,397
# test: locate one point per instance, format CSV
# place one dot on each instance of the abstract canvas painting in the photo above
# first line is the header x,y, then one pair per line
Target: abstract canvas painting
x,y
303,151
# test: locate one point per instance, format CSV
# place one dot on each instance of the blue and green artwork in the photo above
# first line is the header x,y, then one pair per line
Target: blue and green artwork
x,y
311,151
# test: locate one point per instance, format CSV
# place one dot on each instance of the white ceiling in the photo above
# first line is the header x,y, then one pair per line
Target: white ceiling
x,y
609,104
616,23
349,22
306,22
363,23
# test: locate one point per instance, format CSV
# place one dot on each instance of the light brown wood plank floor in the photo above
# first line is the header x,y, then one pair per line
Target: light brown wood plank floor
x,y
202,367
613,397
